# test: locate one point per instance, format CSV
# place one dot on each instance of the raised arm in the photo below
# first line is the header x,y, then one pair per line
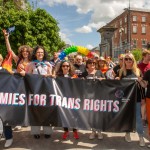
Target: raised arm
x,y
6,35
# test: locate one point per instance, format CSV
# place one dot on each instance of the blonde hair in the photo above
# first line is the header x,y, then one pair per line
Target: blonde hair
x,y
145,52
134,69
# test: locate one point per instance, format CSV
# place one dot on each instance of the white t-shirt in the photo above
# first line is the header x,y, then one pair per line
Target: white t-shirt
x,y
41,69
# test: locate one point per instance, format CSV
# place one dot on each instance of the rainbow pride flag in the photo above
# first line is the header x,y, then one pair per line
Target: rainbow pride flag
x,y
7,63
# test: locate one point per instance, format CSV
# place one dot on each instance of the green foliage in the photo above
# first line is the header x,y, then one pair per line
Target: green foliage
x,y
33,27
137,54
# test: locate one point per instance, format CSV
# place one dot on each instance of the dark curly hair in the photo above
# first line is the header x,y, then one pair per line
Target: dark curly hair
x,y
59,73
34,53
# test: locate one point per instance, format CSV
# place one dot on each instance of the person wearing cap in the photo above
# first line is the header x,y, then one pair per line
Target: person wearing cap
x,y
103,67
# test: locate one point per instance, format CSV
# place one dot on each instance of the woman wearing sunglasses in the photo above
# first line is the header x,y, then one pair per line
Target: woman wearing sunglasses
x,y
66,69
92,73
130,70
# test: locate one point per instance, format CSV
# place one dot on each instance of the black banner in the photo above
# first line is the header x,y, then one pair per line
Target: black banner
x,y
108,105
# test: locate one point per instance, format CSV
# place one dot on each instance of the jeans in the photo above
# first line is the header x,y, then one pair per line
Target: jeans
x,y
139,125
8,132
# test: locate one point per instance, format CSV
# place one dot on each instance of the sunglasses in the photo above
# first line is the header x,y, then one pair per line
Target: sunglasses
x,y
121,59
65,66
126,59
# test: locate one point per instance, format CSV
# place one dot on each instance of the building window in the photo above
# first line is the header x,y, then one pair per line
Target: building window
x,y
115,34
125,19
120,22
144,44
125,30
143,30
143,19
134,29
134,18
134,43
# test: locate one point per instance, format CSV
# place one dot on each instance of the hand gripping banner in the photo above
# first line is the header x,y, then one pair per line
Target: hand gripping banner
x,y
108,105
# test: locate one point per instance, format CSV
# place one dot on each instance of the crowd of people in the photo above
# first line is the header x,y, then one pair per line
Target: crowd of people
x,y
34,61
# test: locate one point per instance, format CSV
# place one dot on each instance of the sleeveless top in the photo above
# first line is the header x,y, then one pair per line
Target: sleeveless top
x,y
22,66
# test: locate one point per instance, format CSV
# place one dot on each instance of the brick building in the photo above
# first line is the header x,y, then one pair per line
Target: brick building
x,y
131,29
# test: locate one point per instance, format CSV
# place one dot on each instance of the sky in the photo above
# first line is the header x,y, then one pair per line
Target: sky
x,y
79,20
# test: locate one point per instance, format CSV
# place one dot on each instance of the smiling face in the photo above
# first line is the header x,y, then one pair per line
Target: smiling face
x,y
128,61
65,67
25,53
79,60
91,64
39,54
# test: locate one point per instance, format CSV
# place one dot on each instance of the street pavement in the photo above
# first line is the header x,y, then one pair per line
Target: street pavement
x,y
23,140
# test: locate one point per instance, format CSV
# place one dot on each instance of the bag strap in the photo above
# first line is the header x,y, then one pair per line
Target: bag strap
x,y
18,62
37,69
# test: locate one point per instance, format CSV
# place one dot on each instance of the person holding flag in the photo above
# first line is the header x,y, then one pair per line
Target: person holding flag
x,y
24,56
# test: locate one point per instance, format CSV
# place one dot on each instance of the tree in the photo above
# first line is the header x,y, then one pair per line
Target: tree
x,y
137,54
32,28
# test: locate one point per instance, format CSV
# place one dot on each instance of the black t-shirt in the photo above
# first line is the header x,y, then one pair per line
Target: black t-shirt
x,y
98,74
80,67
130,75
147,78
116,69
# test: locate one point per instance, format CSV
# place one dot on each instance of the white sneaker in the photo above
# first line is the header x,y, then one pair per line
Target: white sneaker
x,y
99,135
127,137
92,135
8,143
148,146
17,128
141,141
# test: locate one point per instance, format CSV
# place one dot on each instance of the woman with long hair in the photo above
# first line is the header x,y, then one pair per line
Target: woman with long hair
x,y
66,69
130,70
24,54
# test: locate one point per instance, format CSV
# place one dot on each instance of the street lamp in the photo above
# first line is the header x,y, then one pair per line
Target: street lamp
x,y
121,30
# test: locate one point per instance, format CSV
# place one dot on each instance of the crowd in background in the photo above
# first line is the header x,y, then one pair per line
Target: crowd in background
x,y
35,61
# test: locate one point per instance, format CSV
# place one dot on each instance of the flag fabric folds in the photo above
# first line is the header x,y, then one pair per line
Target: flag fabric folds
x,y
7,63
